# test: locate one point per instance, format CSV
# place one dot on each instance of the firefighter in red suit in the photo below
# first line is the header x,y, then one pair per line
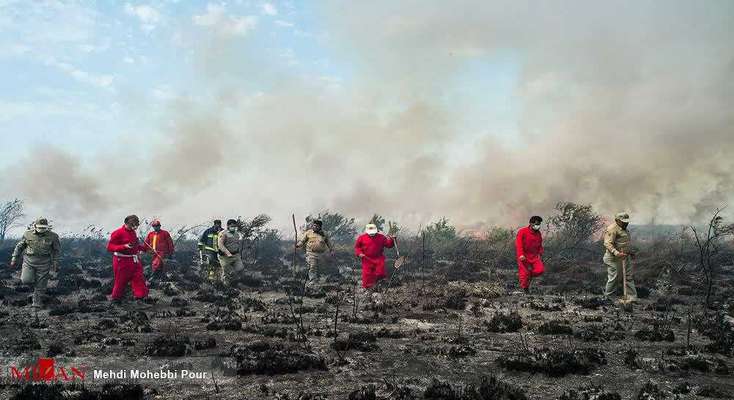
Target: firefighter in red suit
x,y
126,263
529,250
370,247
159,243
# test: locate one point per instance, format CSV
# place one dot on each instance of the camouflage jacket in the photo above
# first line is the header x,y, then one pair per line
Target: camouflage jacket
x,y
315,242
38,245
617,240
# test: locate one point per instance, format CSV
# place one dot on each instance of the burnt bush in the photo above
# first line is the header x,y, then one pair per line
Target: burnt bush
x,y
555,328
271,359
590,393
650,391
361,341
490,388
598,333
503,323
62,309
545,306
655,333
366,392
226,322
74,391
554,362
165,346
205,343
591,303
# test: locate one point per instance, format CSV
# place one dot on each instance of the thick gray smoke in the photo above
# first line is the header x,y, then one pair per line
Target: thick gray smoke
x,y
625,105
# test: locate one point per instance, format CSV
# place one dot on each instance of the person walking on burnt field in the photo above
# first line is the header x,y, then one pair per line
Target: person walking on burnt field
x,y
370,247
160,244
230,245
529,250
40,249
618,249
126,262
209,252
316,242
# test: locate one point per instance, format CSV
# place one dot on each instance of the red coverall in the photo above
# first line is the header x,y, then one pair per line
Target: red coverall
x,y
373,263
161,245
529,243
126,263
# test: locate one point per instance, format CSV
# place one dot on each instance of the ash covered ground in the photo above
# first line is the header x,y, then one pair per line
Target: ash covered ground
x,y
442,329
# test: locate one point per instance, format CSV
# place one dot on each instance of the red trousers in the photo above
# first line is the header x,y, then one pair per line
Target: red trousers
x,y
528,269
373,269
128,272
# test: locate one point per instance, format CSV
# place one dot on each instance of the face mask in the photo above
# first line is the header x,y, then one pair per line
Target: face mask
x,y
536,227
233,229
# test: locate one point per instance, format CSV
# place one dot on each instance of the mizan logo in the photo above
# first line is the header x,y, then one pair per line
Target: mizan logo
x,y
47,370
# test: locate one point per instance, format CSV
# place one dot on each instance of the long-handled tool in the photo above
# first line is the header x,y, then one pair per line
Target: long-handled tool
x,y
625,300
398,263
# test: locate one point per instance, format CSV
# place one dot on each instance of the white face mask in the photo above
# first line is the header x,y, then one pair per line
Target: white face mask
x,y
536,227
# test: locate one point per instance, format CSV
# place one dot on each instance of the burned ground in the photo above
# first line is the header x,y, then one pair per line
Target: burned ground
x,y
450,333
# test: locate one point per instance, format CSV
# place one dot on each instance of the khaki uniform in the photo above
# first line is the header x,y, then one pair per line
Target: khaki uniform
x,y
618,240
316,245
40,251
230,265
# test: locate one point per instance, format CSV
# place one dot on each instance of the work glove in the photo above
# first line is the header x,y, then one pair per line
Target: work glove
x,y
522,258
12,262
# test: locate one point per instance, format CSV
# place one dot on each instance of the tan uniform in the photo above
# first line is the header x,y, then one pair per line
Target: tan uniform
x,y
40,251
316,245
616,241
231,265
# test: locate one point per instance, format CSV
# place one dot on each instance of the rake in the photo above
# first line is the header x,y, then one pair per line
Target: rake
x,y
398,263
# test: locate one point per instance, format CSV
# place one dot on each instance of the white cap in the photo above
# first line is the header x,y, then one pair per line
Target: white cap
x,y
370,229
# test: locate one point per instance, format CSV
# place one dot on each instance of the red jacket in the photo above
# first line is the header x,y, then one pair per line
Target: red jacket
x,y
161,242
372,246
529,243
120,238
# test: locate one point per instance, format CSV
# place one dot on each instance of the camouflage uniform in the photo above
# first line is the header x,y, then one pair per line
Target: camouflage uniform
x,y
616,241
40,251
230,265
316,245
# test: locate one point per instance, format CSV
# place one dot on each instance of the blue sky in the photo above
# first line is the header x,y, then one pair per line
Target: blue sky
x,y
85,75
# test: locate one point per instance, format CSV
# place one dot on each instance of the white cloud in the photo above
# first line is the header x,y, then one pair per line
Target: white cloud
x,y
147,15
100,81
269,9
284,24
217,18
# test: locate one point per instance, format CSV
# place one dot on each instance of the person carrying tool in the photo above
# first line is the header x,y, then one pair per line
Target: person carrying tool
x,y
126,262
618,248
316,242
529,251
229,243
370,247
160,244
40,249
208,252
